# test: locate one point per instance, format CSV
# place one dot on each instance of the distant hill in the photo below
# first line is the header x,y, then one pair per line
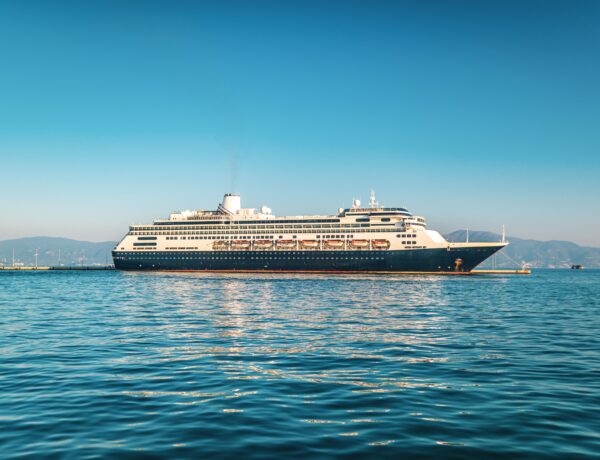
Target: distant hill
x,y
72,252
538,254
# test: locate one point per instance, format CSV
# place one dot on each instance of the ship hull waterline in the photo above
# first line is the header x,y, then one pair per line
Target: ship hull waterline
x,y
433,260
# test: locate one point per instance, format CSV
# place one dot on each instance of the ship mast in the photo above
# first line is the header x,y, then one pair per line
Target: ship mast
x,y
372,201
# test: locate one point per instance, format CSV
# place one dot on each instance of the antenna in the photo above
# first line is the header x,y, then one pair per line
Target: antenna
x,y
503,234
36,256
467,235
13,257
372,201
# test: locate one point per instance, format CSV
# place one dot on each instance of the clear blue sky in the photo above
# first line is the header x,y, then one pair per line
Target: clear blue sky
x,y
473,114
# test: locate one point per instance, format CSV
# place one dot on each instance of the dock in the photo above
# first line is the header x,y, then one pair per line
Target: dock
x,y
111,267
69,268
524,271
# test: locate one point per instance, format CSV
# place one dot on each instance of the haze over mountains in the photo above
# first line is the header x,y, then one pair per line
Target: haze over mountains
x,y
537,254
55,251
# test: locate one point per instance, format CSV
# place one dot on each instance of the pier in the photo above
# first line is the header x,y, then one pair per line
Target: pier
x,y
524,271
111,267
69,268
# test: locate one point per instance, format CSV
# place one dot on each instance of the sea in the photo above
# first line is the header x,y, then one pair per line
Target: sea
x,y
108,364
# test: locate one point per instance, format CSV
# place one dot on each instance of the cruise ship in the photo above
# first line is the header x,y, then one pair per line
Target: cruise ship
x,y
355,239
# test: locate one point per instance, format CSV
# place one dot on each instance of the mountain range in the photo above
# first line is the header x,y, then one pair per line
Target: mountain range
x,y
534,253
55,251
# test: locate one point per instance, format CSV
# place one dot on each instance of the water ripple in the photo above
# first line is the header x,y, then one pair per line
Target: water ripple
x,y
168,365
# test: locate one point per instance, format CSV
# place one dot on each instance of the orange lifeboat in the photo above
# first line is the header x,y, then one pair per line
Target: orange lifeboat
x,y
380,244
263,244
334,244
220,244
240,244
359,244
309,244
286,244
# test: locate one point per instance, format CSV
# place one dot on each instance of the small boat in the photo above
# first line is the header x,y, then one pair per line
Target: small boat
x,y
380,244
309,244
286,244
221,244
263,244
359,244
240,244
334,244
577,267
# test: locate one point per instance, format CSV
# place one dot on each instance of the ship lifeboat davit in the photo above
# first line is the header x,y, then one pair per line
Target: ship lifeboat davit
x,y
286,244
240,244
380,244
220,245
309,244
359,244
263,244
334,244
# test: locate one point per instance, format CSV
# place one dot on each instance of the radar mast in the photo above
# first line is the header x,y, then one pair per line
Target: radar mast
x,y
372,200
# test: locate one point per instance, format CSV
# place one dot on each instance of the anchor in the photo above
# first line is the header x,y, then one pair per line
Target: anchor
x,y
458,264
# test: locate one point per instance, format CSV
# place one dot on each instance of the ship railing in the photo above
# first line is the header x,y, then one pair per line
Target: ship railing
x,y
322,246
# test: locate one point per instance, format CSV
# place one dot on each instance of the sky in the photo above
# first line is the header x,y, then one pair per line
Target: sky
x,y
473,114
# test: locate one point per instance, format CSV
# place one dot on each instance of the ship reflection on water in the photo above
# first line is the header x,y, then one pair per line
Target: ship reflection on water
x,y
362,332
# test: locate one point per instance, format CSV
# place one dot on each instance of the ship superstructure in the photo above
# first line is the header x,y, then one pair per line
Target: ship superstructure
x,y
232,238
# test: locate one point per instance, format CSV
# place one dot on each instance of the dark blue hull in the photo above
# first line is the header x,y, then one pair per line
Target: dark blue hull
x,y
414,260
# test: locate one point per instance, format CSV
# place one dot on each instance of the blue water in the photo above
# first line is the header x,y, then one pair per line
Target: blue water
x,y
159,365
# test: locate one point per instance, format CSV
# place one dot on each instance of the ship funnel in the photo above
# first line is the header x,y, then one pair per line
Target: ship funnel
x,y
232,204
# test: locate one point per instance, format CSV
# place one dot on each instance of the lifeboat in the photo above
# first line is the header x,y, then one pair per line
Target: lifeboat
x,y
286,244
240,244
380,244
359,244
334,244
309,244
220,244
263,244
